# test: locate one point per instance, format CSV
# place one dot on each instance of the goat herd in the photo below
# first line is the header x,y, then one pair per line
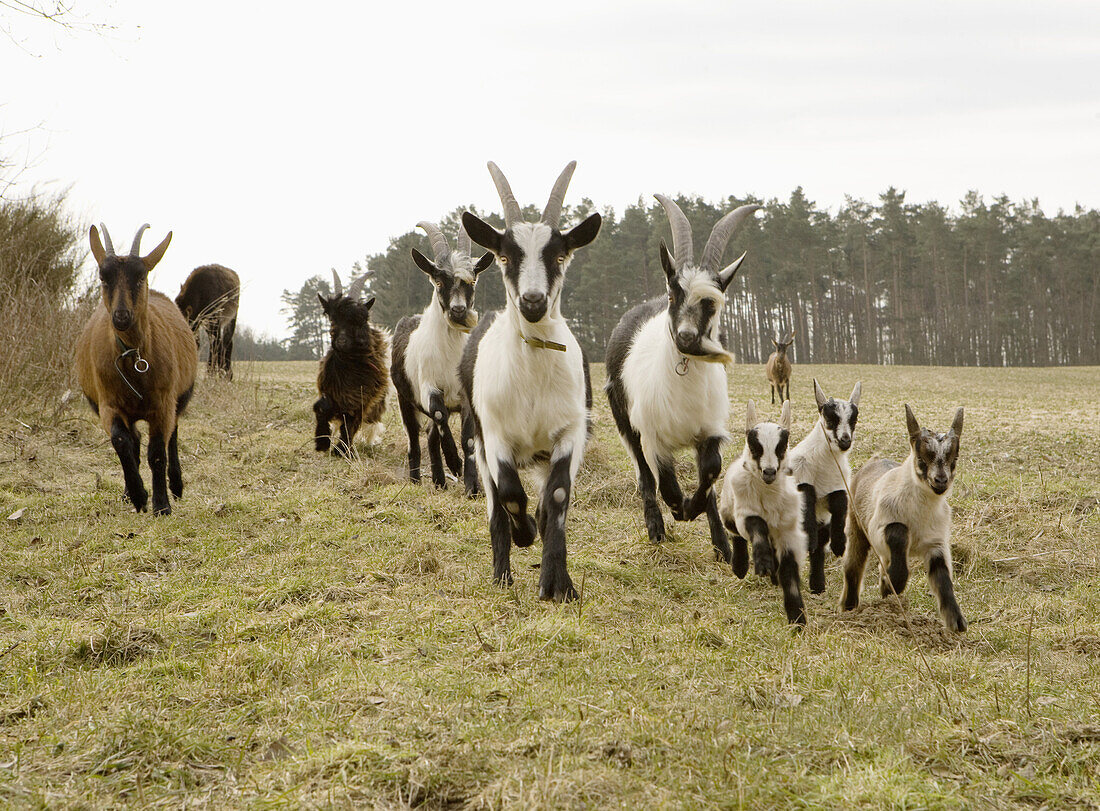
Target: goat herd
x,y
521,383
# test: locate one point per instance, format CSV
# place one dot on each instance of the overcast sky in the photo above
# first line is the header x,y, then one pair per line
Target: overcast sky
x,y
286,139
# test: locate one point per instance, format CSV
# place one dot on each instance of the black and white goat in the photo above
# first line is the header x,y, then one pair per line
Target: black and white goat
x,y
760,504
819,464
902,509
427,349
666,378
525,384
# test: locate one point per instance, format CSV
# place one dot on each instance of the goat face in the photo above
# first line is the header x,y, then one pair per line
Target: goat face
x,y
838,417
533,258
695,299
767,441
781,347
349,322
934,455
124,280
454,281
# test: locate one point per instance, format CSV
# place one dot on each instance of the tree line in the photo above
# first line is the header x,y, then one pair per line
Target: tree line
x,y
990,284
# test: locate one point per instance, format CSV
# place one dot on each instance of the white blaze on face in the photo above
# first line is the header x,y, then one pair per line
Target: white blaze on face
x,y
531,276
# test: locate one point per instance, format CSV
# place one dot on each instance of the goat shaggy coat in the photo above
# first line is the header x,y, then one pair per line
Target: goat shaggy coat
x,y
208,300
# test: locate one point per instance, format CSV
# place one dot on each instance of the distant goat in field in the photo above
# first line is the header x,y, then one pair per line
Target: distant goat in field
x,y
525,384
760,504
778,369
136,360
819,464
208,300
903,509
427,349
666,378
354,375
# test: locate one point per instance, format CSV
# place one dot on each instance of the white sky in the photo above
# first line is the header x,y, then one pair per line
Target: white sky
x,y
286,139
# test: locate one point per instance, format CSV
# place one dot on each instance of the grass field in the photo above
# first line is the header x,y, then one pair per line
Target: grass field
x,y
305,631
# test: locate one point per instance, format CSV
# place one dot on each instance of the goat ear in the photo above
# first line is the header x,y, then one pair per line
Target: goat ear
x,y
957,423
725,276
853,398
324,302
785,416
424,263
369,303
912,425
150,259
481,232
750,416
97,247
819,395
580,235
666,262
483,263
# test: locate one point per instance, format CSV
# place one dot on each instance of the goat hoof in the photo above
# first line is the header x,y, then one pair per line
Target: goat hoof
x,y
763,562
557,587
817,582
837,545
955,621
503,579
162,509
722,551
322,444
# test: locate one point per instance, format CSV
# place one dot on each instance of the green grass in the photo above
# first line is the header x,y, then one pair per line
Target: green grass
x,y
305,631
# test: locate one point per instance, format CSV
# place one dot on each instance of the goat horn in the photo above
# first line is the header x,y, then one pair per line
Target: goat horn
x,y
440,248
136,246
683,249
107,240
512,212
356,286
465,244
551,215
720,235
337,288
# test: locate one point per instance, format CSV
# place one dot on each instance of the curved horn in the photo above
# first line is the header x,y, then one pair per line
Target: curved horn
x,y
110,248
720,235
465,244
356,286
337,288
683,249
136,246
512,211
551,214
440,247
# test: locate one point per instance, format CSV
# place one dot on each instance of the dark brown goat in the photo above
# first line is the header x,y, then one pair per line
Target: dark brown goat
x,y
354,376
136,360
208,300
778,369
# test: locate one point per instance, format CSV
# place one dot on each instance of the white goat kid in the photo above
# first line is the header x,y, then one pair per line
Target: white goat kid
x,y
760,504
427,349
819,464
902,509
525,384
666,378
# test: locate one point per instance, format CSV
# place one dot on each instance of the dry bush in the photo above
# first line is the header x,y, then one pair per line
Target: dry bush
x,y
41,313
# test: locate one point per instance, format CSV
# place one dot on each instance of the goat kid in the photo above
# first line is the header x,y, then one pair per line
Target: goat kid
x,y
900,510
666,378
819,464
778,368
208,300
427,349
354,376
136,360
525,384
760,504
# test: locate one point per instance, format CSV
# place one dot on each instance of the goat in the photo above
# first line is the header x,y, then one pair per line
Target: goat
x,y
903,509
136,360
525,383
778,368
819,464
208,299
354,376
426,351
760,503
666,381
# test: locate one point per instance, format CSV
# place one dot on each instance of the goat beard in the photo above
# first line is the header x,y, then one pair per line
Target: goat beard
x,y
713,352
471,322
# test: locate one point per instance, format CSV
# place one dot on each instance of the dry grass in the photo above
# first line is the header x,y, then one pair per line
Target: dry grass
x,y
309,632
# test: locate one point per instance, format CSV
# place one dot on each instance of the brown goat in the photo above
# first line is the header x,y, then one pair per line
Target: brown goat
x,y
355,374
778,369
136,360
208,300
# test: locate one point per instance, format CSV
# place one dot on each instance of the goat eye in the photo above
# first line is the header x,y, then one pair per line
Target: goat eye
x,y
561,259
502,259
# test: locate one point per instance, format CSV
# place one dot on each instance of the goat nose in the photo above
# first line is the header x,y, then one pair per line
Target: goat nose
x,y
687,335
844,442
769,474
533,298
122,319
